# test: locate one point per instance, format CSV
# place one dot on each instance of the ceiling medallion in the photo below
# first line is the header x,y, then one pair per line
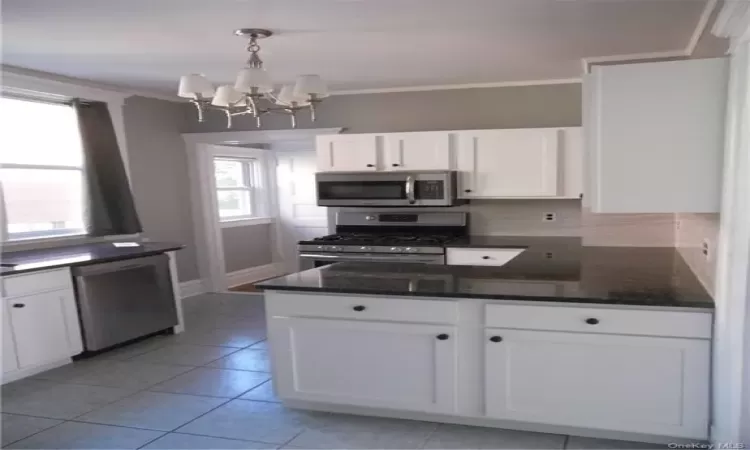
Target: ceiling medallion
x,y
253,92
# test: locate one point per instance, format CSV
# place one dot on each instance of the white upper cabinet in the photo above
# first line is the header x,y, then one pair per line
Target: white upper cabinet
x,y
347,152
654,136
417,151
509,163
651,385
378,364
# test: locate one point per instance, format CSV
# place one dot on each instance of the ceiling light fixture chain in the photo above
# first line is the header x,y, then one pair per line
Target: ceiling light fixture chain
x,y
254,88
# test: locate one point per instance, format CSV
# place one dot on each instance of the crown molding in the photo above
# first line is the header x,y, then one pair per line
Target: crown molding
x,y
733,23
700,28
13,76
446,87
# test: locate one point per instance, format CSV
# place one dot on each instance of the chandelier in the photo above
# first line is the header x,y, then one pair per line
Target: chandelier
x,y
253,92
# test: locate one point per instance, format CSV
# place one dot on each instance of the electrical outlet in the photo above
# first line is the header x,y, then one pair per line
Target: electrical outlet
x,y
549,217
706,248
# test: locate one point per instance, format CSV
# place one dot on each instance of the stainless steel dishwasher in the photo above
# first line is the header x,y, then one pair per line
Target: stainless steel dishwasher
x,y
124,300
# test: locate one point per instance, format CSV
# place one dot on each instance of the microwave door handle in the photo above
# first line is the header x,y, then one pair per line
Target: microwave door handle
x,y
410,190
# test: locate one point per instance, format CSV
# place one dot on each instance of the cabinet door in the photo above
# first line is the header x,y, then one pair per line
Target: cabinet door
x,y
624,383
508,163
399,366
417,151
39,327
657,136
10,360
347,153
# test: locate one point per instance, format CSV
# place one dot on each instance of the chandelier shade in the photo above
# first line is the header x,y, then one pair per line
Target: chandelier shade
x,y
310,85
253,77
287,97
227,96
195,85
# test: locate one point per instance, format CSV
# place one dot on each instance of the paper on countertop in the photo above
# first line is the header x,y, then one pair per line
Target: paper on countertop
x,y
126,244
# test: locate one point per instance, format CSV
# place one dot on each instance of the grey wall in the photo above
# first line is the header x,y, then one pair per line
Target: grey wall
x,y
159,175
505,107
248,246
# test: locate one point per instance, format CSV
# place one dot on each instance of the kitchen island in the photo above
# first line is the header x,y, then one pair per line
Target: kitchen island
x,y
607,342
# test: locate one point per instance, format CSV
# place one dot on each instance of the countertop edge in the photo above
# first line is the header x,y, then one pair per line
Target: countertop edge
x,y
142,254
582,301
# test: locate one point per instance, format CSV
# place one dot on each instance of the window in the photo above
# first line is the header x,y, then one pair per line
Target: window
x,y
239,188
42,170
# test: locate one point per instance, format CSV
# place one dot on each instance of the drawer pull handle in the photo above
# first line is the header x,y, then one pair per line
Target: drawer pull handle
x,y
19,305
359,308
592,321
395,165
485,257
442,337
496,339
371,165
467,190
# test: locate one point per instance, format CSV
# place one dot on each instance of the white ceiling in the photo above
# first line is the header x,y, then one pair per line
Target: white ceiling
x,y
353,44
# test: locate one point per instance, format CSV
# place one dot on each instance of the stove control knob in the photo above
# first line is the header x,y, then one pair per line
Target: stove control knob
x,y
397,249
370,217
410,250
320,247
333,248
366,249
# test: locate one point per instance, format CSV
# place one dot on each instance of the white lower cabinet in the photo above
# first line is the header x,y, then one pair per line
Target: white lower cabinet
x,y
618,372
41,328
650,385
386,365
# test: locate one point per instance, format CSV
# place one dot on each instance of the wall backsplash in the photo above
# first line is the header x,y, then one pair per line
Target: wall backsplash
x,y
524,217
691,231
622,230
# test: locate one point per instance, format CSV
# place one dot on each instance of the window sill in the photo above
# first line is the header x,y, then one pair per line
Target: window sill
x,y
228,223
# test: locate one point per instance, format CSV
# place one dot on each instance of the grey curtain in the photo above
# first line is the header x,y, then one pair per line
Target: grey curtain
x,y
111,209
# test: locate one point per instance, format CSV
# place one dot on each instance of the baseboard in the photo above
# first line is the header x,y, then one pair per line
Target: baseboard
x,y
191,288
15,375
253,274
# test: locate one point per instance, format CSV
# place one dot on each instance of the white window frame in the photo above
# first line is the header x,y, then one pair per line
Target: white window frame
x,y
48,235
255,167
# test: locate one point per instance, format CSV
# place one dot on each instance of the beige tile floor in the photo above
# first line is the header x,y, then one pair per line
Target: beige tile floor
x,y
210,388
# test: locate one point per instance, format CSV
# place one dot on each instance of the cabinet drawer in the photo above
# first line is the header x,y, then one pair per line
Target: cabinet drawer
x,y
481,256
365,308
15,285
601,320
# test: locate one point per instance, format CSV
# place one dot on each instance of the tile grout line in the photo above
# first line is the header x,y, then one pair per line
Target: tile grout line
x,y
34,434
565,442
293,438
429,436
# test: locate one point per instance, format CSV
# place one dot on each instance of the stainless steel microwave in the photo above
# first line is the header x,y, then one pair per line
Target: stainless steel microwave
x,y
433,188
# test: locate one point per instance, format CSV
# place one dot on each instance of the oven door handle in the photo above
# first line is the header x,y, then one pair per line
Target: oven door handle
x,y
410,190
367,258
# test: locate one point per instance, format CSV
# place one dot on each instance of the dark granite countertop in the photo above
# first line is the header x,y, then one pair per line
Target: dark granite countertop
x,y
77,255
549,270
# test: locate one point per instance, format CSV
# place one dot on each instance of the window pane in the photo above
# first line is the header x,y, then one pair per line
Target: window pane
x,y
234,204
229,173
21,141
42,203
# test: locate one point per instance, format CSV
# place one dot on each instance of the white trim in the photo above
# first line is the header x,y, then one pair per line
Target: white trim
x,y
200,149
176,292
733,22
700,27
253,274
191,288
446,87
255,137
245,222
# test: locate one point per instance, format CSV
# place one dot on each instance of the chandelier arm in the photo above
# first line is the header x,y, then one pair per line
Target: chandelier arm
x,y
200,107
229,118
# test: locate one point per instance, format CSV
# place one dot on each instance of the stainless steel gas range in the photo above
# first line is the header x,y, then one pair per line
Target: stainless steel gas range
x,y
385,237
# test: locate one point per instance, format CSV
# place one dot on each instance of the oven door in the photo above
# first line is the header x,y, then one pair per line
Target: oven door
x,y
386,189
309,260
